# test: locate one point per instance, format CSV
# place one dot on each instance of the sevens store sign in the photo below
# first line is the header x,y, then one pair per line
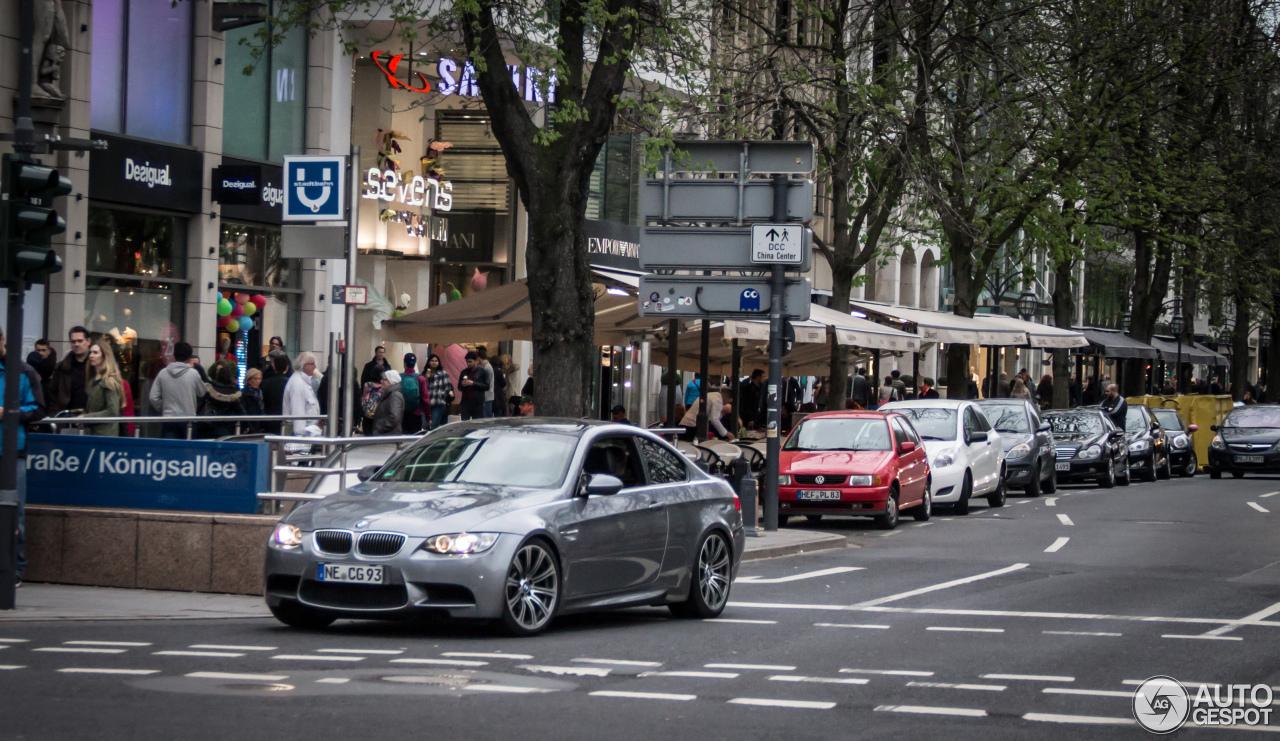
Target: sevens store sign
x,y
386,185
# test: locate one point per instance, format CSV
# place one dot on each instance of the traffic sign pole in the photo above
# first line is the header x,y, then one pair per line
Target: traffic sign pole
x,y
773,441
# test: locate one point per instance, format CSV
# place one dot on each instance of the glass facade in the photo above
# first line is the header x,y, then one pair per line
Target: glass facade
x,y
614,189
265,110
141,76
249,262
1107,283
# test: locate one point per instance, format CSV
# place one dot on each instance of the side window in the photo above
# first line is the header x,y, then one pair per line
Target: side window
x,y
912,435
984,424
900,435
664,466
615,456
1036,421
971,424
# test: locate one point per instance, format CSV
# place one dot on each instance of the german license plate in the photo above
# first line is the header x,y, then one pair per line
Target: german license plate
x,y
1065,466
822,495
1248,459
350,573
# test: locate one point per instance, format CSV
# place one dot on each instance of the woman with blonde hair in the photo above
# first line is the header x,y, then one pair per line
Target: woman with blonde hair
x,y
103,387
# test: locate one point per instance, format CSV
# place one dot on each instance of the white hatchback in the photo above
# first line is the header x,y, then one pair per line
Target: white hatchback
x,y
966,456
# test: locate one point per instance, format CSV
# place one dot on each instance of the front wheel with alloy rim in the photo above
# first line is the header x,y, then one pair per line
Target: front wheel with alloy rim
x,y
1166,471
1125,478
1033,488
966,491
712,574
996,498
1193,466
924,510
299,616
889,520
532,592
1051,484
1108,479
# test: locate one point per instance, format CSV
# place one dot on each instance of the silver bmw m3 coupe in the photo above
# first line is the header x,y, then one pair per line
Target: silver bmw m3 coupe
x,y
518,520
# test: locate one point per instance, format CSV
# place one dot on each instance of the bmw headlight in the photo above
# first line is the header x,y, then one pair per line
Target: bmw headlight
x,y
784,479
286,536
1181,441
1217,443
461,544
1018,451
944,459
1139,446
865,480
1093,451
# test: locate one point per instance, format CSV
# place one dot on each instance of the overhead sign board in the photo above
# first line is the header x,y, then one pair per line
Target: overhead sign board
x,y
713,248
689,199
789,158
778,244
719,297
314,187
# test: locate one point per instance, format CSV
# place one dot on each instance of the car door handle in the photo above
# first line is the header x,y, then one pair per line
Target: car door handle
x,y
657,505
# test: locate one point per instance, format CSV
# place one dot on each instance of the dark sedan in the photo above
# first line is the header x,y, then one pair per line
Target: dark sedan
x,y
1029,452
1246,442
1148,444
1089,446
1182,450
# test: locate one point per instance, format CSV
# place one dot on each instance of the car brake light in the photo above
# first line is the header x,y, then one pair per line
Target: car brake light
x,y
737,503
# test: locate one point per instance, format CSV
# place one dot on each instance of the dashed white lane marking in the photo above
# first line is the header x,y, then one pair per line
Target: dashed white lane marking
x,y
221,647
440,662
207,654
1065,520
818,680
575,671
868,626
950,686
922,524
1029,677
513,689
311,657
15,640
246,677
1079,633
65,650
370,651
891,533
1066,615
1205,637
1057,545
1197,685
797,577
954,629
1246,620
1089,720
1268,494
930,710
775,703
1258,507
742,622
943,585
473,655
333,680
1091,693
751,667
126,644
693,675
888,672
11,667
1051,502
617,662
643,695
78,670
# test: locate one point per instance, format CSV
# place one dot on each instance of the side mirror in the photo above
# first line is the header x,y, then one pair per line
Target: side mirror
x,y
977,437
906,447
1192,428
603,484
1213,428
1117,434
1044,427
367,472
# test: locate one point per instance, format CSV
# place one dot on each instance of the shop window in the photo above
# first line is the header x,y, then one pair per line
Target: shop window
x,y
141,77
136,243
474,164
613,192
250,256
249,264
265,111
141,319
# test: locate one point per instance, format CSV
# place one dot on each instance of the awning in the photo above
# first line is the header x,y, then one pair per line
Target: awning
x,y
1191,353
1040,335
1114,344
941,326
848,329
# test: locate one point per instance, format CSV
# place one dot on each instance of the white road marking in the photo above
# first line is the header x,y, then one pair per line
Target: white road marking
x,y
743,622
1091,693
618,662
10,667
65,650
1065,615
1258,507
643,695
372,651
209,654
818,680
1137,682
774,703
929,710
1246,620
943,585
1079,633
333,680
1268,494
129,644
310,657
694,675
1065,520
922,524
949,686
1029,677
576,671
472,655
1092,720
15,640
889,672
1057,545
1205,637
220,647
514,689
797,577
77,670
761,667
246,677
891,533
964,630
440,662
868,626
1051,502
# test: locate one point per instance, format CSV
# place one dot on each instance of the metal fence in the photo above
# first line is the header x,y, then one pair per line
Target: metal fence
x,y
68,424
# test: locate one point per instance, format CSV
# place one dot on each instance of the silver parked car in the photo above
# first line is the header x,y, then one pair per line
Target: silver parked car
x,y
513,519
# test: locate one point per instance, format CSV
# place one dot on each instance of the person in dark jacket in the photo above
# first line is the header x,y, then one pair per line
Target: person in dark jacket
x,y
473,381
273,345
67,386
1115,406
389,417
379,363
273,392
860,389
1044,392
43,359
927,391
30,409
251,397
223,399
752,397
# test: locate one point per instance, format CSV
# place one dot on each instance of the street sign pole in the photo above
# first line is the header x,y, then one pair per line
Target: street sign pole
x,y
773,441
349,316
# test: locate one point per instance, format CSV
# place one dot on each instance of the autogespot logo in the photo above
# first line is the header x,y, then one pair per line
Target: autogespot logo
x,y
1162,705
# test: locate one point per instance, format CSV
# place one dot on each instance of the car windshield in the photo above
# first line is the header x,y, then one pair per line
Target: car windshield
x,y
1168,419
1135,420
1006,417
931,423
1075,424
834,433
1268,417
496,457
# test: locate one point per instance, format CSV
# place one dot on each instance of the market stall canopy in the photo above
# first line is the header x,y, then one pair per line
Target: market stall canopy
x,y
1113,343
1040,335
1191,353
941,326
848,329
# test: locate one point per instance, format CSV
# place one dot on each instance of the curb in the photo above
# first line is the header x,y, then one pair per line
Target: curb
x,y
828,541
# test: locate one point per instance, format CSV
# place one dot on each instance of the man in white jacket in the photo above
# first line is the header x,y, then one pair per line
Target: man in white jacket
x,y
299,397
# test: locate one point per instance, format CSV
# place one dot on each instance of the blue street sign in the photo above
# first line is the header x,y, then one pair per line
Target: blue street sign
x,y
313,187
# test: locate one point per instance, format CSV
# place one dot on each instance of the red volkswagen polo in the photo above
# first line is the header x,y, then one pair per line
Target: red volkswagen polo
x,y
857,463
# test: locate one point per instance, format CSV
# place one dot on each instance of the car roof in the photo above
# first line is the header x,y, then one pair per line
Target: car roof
x,y
928,404
845,414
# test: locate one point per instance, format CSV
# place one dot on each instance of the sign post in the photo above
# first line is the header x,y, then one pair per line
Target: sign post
x,y
773,443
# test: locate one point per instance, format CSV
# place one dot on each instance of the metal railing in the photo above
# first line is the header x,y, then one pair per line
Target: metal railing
x,y
333,462
57,423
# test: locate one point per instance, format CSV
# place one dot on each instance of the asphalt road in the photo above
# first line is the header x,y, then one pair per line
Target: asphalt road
x,y
1033,620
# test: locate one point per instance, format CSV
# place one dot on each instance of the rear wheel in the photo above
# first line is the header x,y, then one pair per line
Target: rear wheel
x,y
1193,466
1033,488
889,520
300,616
709,587
532,591
1237,474
966,491
924,510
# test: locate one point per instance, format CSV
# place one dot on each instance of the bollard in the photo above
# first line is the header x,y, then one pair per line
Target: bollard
x,y
748,493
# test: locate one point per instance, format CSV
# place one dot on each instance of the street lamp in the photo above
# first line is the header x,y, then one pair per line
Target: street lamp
x,y
1126,320
1176,325
1027,304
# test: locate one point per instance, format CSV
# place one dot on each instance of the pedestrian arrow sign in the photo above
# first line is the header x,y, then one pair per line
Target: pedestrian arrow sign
x,y
777,244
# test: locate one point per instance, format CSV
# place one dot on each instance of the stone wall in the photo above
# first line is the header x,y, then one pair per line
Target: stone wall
x,y
147,549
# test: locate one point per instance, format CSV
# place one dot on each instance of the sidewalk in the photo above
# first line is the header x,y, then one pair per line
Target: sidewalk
x,y
789,543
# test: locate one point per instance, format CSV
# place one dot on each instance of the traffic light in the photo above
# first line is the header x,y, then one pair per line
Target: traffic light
x,y
29,219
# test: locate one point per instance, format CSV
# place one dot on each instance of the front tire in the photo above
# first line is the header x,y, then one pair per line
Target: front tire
x,y
966,491
1215,473
1108,480
1051,484
300,616
1166,471
712,576
1033,488
889,520
996,498
532,590
1127,478
1237,474
924,510
1193,467
1151,474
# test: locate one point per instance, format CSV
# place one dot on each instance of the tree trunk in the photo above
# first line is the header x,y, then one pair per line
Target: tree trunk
x,y
1240,349
965,304
1273,356
1064,313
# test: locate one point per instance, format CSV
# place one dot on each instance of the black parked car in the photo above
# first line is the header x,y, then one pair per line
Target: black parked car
x,y
1246,442
1028,444
1148,444
1182,450
1089,446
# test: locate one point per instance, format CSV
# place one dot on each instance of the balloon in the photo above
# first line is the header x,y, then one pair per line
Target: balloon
x,y
241,298
249,308
259,300
224,307
226,295
233,326
222,321
245,323
237,311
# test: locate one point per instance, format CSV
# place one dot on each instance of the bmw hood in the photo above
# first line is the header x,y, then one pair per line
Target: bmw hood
x,y
417,509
